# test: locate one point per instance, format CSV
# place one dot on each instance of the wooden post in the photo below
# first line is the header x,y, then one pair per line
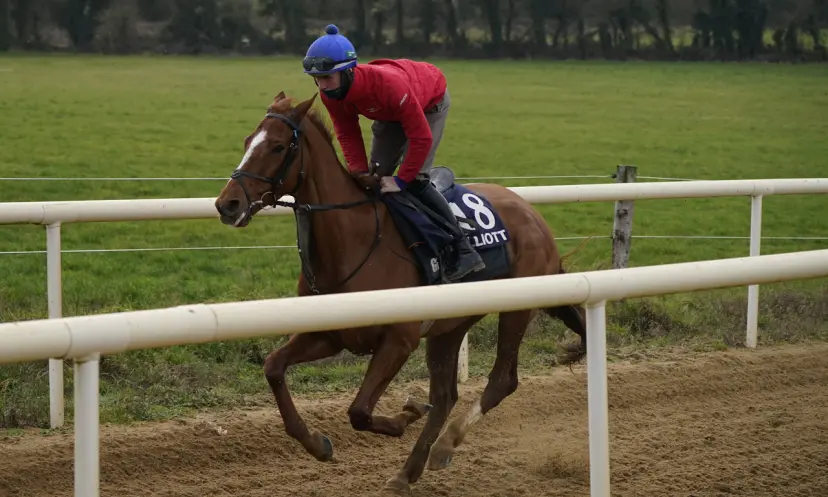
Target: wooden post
x,y
622,225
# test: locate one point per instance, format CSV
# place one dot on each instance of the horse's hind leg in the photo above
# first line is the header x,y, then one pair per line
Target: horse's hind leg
x,y
503,380
442,352
397,345
573,317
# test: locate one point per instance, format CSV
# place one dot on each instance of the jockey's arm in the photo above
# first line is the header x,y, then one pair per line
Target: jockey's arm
x,y
349,134
412,118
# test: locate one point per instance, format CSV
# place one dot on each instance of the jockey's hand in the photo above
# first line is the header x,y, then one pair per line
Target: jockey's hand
x,y
392,184
367,180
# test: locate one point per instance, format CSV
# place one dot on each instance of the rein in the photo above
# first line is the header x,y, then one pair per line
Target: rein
x,y
302,210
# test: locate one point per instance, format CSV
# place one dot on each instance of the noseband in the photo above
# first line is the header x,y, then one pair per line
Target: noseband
x,y
302,211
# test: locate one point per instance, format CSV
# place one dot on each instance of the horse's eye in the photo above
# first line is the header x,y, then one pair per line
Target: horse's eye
x,y
279,149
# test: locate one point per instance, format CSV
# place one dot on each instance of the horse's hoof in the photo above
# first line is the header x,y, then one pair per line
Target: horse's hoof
x,y
439,457
437,464
396,486
419,408
327,448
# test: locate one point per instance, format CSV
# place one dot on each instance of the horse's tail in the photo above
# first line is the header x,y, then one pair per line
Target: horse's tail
x,y
576,250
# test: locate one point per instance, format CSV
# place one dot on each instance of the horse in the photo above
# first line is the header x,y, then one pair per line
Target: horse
x,y
352,239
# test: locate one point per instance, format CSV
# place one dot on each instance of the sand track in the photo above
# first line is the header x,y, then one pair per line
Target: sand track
x,y
751,423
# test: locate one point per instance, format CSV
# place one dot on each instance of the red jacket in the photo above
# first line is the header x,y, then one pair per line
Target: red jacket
x,y
388,90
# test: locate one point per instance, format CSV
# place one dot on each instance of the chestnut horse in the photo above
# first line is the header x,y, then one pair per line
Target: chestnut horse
x,y
354,245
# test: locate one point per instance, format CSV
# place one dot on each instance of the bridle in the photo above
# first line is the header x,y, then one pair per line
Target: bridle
x,y
279,179
300,210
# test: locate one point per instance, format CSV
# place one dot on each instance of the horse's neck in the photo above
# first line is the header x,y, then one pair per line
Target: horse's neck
x,y
340,238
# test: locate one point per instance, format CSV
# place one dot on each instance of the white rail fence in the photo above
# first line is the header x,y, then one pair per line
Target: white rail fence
x,y
85,338
54,214
475,178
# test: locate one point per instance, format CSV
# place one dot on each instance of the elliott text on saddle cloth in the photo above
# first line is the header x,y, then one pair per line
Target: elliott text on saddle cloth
x,y
490,231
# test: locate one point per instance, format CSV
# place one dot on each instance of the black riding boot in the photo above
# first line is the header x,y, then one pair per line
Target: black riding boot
x,y
468,260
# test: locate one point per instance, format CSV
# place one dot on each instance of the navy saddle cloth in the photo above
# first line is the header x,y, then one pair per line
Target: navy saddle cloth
x,y
430,243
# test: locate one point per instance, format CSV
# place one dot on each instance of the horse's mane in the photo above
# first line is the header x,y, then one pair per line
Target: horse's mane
x,y
283,105
315,116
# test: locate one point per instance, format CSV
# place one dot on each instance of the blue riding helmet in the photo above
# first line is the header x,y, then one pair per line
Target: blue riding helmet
x,y
330,53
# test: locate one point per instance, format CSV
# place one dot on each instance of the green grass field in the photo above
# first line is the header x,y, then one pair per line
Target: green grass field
x,y
186,117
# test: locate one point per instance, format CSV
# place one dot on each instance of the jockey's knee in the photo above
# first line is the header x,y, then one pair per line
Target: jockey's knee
x,y
419,184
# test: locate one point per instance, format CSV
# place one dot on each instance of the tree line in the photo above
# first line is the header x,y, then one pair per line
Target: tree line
x,y
611,29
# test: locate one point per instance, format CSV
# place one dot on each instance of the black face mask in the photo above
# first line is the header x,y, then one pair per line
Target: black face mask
x,y
345,83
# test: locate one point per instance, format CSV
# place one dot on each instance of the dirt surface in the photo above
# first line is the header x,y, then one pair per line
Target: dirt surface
x,y
751,423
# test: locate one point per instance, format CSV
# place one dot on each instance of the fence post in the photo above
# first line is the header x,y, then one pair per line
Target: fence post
x,y
87,426
54,290
597,399
622,224
752,336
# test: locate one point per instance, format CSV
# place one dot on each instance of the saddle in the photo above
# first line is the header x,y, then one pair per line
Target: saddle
x,y
429,240
442,178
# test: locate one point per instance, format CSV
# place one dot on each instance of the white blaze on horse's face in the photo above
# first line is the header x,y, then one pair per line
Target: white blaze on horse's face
x,y
257,140
254,143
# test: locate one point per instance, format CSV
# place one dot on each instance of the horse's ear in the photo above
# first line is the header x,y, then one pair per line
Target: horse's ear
x,y
303,108
280,104
275,103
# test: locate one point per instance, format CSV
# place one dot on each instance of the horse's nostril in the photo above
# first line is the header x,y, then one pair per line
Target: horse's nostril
x,y
228,208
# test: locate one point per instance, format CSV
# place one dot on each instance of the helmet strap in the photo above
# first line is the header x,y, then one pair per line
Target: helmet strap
x,y
345,80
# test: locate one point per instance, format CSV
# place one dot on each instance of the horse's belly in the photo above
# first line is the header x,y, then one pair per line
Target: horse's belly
x,y
361,341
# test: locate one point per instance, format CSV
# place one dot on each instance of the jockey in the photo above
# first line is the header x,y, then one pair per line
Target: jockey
x,y
408,102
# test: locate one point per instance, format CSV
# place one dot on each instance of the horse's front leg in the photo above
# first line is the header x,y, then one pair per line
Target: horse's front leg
x,y
300,348
397,345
